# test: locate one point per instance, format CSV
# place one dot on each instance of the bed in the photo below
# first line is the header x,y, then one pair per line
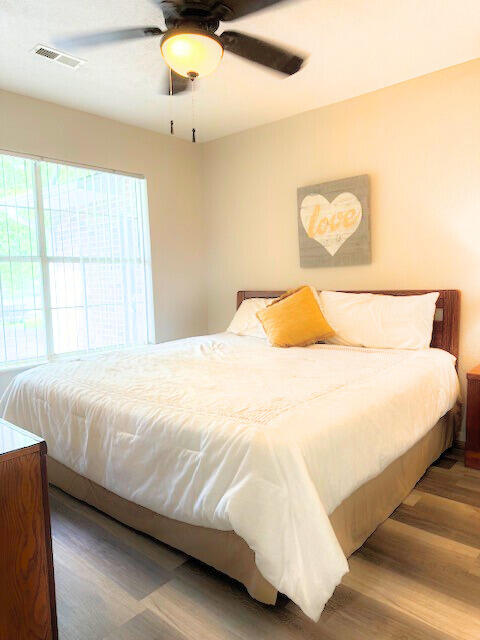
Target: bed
x,y
271,465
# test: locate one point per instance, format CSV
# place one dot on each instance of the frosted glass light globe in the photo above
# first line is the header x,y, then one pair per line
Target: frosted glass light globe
x,y
191,54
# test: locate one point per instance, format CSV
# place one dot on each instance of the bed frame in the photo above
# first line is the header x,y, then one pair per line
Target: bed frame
x,y
447,316
353,520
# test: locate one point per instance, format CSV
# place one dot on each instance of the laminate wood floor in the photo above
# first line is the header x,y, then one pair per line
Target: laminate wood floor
x,y
416,578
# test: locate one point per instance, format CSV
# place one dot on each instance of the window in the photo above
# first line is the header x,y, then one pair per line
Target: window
x,y
75,271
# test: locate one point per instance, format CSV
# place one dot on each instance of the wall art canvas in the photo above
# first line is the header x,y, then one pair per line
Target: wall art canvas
x,y
334,223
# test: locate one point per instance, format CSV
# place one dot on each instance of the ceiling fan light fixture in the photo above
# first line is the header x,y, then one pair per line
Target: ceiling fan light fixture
x,y
191,54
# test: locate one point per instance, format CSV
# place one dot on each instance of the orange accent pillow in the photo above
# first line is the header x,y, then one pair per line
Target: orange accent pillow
x,y
295,319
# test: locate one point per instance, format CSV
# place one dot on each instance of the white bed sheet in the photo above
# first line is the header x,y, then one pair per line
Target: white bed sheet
x,y
228,432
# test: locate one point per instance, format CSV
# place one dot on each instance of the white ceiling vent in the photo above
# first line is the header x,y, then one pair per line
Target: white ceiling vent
x,y
54,55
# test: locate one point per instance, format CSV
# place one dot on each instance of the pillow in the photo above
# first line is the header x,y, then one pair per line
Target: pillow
x,y
295,319
245,321
380,321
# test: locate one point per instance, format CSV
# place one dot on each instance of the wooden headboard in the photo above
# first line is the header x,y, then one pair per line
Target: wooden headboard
x,y
445,325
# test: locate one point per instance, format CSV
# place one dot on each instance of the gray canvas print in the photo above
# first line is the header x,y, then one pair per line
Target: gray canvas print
x,y
334,223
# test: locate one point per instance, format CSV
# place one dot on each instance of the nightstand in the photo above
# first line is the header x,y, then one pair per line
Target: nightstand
x,y
472,446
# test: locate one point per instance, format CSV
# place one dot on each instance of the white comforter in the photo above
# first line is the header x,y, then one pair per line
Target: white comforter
x,y
227,432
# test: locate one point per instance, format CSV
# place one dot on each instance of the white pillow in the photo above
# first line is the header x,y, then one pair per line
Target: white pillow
x,y
379,321
245,321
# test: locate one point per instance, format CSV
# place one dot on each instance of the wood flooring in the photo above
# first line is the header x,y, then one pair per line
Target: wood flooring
x,y
416,578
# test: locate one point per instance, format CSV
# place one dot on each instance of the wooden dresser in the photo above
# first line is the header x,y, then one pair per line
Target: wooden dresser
x,y
27,591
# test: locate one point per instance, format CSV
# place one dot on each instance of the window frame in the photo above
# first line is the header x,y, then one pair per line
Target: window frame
x,y
44,261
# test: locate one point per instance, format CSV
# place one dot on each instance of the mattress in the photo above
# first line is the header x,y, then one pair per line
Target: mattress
x,y
228,433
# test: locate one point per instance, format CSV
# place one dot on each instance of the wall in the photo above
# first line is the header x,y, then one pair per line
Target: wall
x,y
171,167
420,143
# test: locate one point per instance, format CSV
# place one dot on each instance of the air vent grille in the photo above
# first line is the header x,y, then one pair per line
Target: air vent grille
x,y
64,59
69,61
47,53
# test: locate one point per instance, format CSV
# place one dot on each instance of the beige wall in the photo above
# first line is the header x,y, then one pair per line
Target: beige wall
x,y
171,167
420,143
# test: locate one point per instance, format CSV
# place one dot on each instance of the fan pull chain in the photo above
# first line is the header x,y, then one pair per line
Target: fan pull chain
x,y
194,136
170,91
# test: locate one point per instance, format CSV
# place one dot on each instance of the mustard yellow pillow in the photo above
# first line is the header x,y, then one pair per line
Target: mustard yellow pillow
x,y
295,319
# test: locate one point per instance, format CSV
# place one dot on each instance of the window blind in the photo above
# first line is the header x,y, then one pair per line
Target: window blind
x,y
75,271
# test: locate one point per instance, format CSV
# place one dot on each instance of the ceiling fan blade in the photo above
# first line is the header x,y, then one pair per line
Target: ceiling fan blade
x,y
179,84
264,53
105,37
232,9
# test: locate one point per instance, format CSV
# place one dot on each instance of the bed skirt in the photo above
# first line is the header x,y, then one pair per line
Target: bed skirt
x,y
353,520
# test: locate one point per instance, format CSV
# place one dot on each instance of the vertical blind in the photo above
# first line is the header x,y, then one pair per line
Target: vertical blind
x,y
75,272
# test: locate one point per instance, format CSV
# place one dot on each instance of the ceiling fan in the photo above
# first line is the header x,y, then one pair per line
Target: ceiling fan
x,y
190,46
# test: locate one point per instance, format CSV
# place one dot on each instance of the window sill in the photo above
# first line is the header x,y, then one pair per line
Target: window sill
x,y
18,368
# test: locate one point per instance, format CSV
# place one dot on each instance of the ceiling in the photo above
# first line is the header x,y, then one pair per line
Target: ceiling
x,y
355,46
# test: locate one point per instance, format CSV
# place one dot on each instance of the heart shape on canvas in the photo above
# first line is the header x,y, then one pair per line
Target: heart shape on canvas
x,y
331,223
